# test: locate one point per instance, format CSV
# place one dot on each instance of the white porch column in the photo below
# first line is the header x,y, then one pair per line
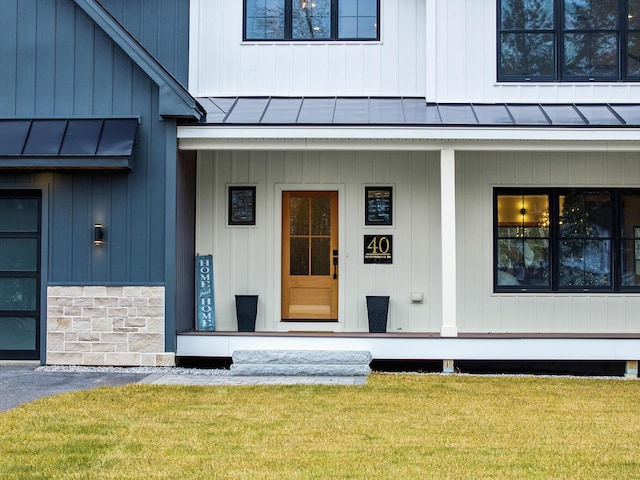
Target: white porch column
x,y
449,326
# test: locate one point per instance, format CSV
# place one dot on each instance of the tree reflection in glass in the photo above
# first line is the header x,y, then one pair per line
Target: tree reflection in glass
x,y
311,19
528,48
585,239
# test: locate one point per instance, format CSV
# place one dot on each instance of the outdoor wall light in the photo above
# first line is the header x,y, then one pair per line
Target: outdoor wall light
x,y
98,234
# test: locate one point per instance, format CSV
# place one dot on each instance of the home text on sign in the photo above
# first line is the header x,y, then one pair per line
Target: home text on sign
x,y
206,317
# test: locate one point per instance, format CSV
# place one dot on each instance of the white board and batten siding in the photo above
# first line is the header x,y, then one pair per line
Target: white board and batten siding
x,y
444,51
462,65
221,64
482,311
247,258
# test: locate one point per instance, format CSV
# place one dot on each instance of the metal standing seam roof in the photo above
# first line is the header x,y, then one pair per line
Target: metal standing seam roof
x,y
405,111
67,143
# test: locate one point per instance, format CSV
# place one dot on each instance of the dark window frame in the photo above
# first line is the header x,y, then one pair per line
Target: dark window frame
x,y
616,237
288,26
35,274
622,30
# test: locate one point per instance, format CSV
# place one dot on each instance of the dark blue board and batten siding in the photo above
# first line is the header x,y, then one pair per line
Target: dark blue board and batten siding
x,y
66,66
162,26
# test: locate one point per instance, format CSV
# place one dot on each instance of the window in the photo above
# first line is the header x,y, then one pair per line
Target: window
x,y
568,40
311,19
567,240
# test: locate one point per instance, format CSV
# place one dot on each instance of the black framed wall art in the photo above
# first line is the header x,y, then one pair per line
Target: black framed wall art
x,y
242,205
378,204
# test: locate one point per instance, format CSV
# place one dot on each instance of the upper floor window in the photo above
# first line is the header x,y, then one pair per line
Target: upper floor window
x,y
568,40
311,19
567,240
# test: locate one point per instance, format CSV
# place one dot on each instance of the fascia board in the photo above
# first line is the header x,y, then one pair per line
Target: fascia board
x,y
314,138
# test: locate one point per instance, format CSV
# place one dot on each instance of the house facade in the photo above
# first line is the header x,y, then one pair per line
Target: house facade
x,y
476,162
89,179
478,159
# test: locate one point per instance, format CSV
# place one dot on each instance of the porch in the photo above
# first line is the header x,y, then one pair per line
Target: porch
x,y
425,346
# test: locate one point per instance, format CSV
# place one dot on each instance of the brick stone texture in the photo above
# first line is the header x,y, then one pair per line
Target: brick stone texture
x,y
106,326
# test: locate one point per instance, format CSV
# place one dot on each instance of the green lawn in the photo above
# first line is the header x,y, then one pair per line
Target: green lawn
x,y
396,427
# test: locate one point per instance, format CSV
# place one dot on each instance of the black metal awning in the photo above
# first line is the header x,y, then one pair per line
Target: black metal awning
x,y
416,112
76,143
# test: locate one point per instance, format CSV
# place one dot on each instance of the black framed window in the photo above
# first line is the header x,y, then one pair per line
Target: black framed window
x,y
307,20
568,40
20,272
567,240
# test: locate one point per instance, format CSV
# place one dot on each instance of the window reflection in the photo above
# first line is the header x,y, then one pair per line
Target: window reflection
x,y
523,240
581,40
311,19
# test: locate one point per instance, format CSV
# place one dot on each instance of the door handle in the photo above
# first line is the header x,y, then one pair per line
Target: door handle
x,y
335,264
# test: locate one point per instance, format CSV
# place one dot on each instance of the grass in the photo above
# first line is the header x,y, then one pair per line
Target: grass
x,y
396,427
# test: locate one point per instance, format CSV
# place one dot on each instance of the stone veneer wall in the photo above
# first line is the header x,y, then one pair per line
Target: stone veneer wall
x,y
105,325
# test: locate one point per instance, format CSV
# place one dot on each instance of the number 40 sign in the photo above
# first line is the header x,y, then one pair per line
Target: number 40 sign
x,y
378,249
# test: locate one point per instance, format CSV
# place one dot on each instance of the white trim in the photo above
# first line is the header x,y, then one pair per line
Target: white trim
x,y
279,325
445,132
449,326
311,326
311,139
388,347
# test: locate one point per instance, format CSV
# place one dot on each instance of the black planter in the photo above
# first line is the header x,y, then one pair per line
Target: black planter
x,y
246,312
377,311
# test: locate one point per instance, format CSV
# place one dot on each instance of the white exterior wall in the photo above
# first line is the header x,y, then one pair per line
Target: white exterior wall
x,y
444,50
482,311
247,259
222,64
462,64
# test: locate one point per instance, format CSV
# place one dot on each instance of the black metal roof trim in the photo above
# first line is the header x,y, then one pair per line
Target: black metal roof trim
x,y
412,111
67,143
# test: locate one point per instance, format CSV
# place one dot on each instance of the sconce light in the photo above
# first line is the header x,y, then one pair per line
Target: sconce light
x,y
98,234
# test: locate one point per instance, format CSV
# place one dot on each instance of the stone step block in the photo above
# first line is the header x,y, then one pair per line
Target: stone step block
x,y
303,357
290,370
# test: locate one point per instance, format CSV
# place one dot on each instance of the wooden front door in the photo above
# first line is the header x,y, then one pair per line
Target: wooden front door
x,y
310,256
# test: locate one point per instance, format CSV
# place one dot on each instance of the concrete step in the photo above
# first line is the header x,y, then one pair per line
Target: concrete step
x,y
301,362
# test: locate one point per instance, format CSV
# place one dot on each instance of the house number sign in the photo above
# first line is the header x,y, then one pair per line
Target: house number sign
x,y
378,249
